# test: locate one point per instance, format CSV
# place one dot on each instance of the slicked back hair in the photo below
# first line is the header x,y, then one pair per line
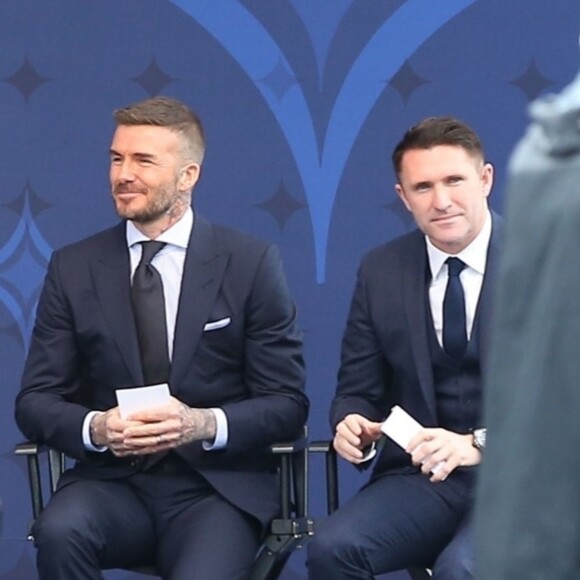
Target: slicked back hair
x,y
434,131
170,113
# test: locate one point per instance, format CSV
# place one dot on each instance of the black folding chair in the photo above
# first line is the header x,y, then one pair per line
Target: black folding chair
x,y
332,495
287,533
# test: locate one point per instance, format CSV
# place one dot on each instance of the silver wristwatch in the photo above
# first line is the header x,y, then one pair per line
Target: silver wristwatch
x,y
479,438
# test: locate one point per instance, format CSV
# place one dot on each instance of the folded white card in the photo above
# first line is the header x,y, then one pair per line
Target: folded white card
x,y
401,428
140,398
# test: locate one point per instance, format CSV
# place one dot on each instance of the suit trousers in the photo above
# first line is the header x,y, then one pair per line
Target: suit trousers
x,y
395,522
171,518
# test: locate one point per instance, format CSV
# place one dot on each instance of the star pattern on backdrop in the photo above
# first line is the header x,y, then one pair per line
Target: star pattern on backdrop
x,y
532,82
153,79
406,81
279,80
26,79
281,206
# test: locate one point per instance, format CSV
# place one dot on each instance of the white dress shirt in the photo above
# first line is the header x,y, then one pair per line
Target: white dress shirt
x,y
475,257
169,262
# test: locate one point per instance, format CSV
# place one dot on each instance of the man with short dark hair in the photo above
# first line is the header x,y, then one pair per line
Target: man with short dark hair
x,y
416,336
163,297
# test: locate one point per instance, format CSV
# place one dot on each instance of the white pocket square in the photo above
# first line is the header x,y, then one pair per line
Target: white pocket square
x,y
217,324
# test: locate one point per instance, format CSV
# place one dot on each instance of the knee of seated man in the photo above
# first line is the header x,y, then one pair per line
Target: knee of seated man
x,y
454,565
332,541
52,529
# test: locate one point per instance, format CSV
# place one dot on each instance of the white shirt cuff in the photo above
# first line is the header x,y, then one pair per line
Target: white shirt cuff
x,y
86,433
221,432
370,453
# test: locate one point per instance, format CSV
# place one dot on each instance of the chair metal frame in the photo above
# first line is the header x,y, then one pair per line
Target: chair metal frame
x,y
287,533
332,494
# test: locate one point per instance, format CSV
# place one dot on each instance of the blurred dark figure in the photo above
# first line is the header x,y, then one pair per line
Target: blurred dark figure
x,y
528,513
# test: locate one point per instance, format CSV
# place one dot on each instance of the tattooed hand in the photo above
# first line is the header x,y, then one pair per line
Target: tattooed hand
x,y
160,429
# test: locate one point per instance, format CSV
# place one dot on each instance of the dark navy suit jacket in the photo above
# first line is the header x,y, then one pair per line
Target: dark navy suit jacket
x,y
84,346
385,352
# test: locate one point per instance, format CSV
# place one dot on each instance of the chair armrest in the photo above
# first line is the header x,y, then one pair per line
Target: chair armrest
x,y
293,527
293,473
56,466
26,448
290,446
30,451
331,462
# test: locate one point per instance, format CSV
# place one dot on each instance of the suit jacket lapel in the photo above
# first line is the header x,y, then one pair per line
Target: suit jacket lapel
x,y
414,279
416,306
111,279
205,265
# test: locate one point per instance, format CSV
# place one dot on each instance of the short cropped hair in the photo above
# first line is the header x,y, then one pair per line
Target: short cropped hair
x,y
170,113
434,131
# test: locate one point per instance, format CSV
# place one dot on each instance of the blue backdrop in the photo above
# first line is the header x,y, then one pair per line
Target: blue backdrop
x,y
303,101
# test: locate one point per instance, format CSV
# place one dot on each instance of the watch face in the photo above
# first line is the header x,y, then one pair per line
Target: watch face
x,y
479,438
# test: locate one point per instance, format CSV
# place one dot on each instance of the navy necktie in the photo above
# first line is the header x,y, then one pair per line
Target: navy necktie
x,y
149,311
454,323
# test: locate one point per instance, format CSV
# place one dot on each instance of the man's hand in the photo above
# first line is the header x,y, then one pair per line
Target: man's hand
x,y
107,430
153,430
353,434
433,446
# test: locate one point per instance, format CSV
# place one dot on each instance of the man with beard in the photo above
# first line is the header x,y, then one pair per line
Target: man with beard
x,y
205,310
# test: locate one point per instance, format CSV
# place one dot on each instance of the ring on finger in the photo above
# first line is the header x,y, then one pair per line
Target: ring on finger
x,y
159,439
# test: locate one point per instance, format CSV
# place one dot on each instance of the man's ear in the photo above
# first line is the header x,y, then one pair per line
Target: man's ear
x,y
189,176
487,173
401,193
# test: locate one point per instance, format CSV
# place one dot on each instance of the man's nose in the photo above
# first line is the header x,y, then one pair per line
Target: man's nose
x,y
441,198
125,171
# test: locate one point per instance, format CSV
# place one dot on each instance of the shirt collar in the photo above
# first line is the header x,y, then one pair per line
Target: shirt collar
x,y
177,235
474,255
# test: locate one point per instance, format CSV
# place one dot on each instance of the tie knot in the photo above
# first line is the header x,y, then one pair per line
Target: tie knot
x,y
454,265
150,248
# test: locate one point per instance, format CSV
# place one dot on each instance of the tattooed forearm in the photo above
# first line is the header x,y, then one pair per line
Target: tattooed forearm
x,y
197,424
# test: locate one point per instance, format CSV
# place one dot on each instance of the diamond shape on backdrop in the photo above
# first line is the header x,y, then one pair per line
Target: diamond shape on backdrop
x,y
30,197
279,80
532,82
23,260
22,274
398,208
26,79
281,206
153,79
406,81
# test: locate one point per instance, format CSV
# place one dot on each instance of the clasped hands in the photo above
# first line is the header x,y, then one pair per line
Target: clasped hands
x,y
430,447
152,430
